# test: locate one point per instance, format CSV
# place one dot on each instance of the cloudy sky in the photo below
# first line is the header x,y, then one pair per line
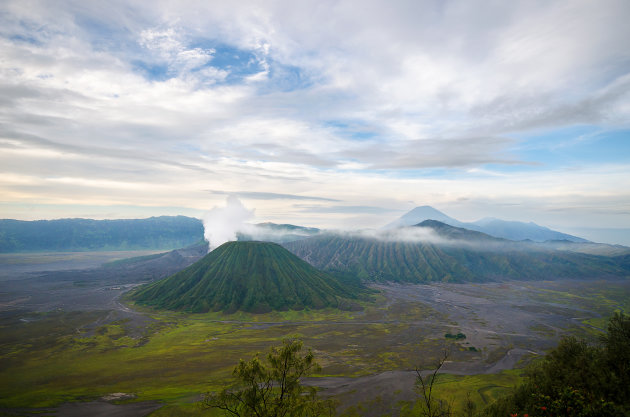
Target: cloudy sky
x,y
321,113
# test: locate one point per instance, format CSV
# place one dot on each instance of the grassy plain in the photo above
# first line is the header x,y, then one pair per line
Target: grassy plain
x,y
481,389
178,356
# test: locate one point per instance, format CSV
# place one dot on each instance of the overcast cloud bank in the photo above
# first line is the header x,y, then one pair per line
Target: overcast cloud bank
x,y
517,110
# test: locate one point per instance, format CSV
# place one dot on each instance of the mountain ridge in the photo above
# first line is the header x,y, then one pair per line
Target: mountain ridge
x,y
77,235
457,255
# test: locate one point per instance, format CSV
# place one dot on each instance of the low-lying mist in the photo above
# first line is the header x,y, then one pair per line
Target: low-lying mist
x,y
405,234
232,222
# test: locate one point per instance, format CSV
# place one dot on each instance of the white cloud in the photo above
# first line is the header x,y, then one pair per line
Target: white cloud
x,y
181,60
345,100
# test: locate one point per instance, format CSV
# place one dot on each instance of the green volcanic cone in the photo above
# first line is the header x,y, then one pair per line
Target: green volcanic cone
x,y
255,277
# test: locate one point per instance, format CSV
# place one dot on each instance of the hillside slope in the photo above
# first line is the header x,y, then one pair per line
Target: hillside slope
x,y
452,255
520,230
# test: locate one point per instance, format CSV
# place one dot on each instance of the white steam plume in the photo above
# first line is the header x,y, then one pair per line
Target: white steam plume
x,y
221,224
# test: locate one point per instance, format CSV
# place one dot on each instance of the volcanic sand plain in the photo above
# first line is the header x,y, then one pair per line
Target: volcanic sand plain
x,y
69,340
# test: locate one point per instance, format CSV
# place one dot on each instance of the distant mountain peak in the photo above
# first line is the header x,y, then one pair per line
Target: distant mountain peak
x,y
424,211
492,226
420,214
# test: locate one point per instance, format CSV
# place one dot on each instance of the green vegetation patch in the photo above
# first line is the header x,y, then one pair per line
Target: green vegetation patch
x,y
481,389
47,359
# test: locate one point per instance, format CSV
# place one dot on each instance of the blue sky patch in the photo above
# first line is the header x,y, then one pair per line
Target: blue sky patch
x,y
237,61
152,72
26,39
575,145
352,129
287,77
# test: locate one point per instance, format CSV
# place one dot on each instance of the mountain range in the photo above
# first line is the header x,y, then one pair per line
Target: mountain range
x,y
155,233
171,232
76,235
435,251
512,230
316,268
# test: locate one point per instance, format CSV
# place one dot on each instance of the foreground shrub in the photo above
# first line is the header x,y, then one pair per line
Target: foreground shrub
x,y
576,379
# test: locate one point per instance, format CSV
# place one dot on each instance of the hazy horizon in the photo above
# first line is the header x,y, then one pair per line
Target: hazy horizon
x,y
226,220
327,114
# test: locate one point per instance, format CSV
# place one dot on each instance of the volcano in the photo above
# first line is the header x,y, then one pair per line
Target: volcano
x,y
255,277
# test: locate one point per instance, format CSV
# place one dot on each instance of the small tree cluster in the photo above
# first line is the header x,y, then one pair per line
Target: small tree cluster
x,y
273,389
